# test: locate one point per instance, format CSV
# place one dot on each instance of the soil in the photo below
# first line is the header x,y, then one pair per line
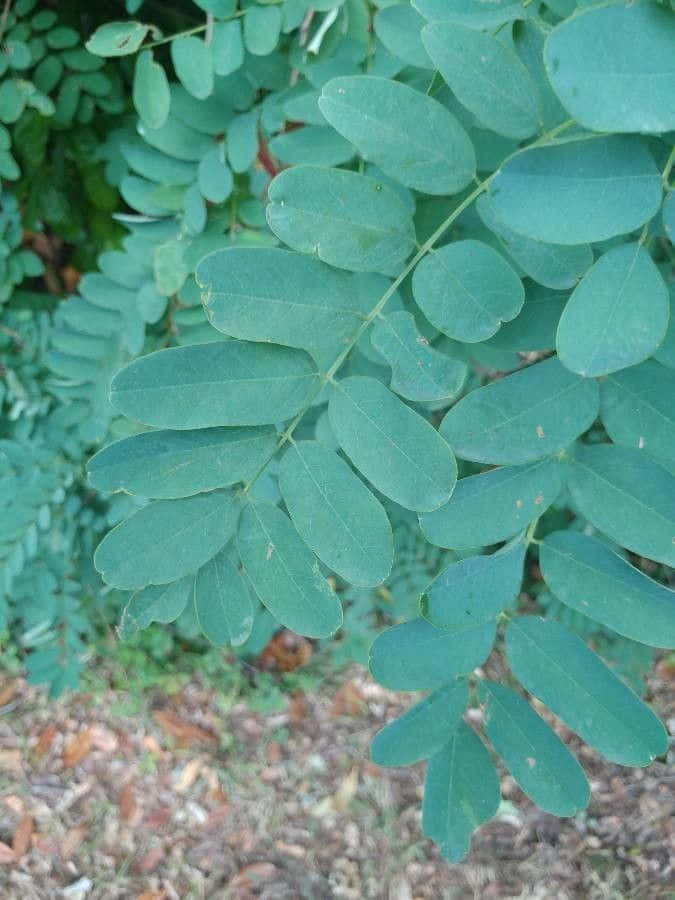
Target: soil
x,y
196,796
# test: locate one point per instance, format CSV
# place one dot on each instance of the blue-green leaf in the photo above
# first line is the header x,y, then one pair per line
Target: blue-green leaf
x,y
167,539
617,316
393,446
415,656
223,605
117,38
558,668
222,383
590,577
170,464
335,514
574,192
628,496
151,94
375,114
493,506
461,791
155,603
284,573
466,289
349,220
399,28
423,729
541,764
525,416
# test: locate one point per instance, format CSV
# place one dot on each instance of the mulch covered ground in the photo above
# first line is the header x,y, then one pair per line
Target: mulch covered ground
x,y
196,796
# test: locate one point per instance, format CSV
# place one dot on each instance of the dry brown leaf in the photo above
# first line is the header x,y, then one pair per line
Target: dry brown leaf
x,y
253,875
70,277
150,860
286,651
345,792
79,747
22,835
45,740
6,854
15,803
188,776
152,895
127,803
297,707
173,725
72,840
8,691
11,761
151,743
348,700
157,817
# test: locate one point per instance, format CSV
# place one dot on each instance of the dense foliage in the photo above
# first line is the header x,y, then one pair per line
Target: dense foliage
x,y
386,330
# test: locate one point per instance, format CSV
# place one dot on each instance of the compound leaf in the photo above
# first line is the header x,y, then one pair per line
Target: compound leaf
x,y
151,94
221,383
617,316
335,514
627,496
558,668
375,114
167,539
285,574
423,729
223,605
493,506
528,415
193,63
540,763
415,656
169,464
349,220
587,575
393,446
461,791
155,603
575,192
117,38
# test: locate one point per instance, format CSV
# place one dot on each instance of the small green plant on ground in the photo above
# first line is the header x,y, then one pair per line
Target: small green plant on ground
x,y
389,328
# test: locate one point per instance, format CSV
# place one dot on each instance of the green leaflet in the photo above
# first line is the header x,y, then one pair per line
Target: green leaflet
x,y
418,371
415,656
525,416
399,27
117,38
466,289
590,577
558,668
553,265
668,213
315,144
486,76
578,191
493,506
635,44
348,220
167,539
285,574
628,497
375,114
152,99
335,514
535,326
267,294
242,141
541,764
171,464
223,383
177,139
155,603
461,791
193,63
397,450
223,605
617,316
476,589
474,13
214,176
227,47
262,25
423,729
636,408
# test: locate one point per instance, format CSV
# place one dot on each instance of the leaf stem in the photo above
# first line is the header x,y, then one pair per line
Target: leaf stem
x,y
665,176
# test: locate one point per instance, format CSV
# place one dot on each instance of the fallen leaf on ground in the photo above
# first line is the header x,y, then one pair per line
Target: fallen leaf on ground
x,y
176,727
22,836
76,749
72,840
10,761
150,860
6,854
286,651
345,792
152,895
188,776
7,691
348,700
252,875
127,803
45,740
